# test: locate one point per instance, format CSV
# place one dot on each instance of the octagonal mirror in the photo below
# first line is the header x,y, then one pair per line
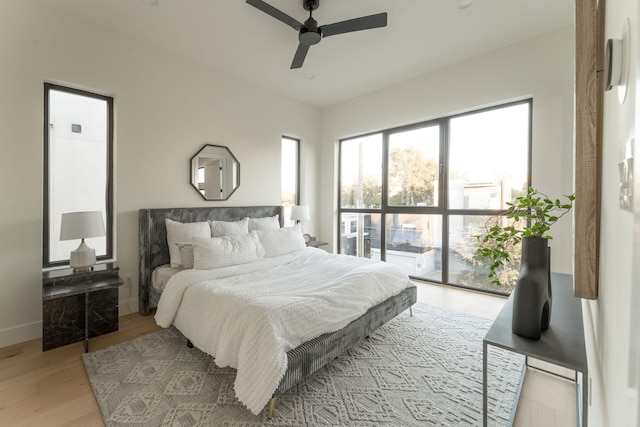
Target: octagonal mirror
x,y
215,172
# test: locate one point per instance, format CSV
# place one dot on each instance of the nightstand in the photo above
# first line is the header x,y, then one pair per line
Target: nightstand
x,y
79,306
315,243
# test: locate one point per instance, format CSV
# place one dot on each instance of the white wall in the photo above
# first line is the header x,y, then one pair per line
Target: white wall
x,y
541,68
165,110
607,320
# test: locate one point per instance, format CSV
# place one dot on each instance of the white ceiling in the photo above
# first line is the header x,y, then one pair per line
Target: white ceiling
x,y
238,39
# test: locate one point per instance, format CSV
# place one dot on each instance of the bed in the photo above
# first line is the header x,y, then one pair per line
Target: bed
x,y
304,359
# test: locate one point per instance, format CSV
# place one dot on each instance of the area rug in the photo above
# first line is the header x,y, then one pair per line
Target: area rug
x,y
424,370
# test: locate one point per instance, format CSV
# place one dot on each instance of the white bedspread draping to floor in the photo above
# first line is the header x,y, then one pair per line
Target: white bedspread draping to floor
x,y
249,316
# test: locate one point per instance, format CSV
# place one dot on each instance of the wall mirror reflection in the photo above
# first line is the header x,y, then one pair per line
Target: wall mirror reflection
x,y
215,172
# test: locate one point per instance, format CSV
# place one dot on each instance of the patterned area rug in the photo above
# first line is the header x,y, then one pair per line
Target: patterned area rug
x,y
424,370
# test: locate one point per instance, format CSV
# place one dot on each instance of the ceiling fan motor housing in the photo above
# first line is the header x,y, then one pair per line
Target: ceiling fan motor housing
x,y
309,33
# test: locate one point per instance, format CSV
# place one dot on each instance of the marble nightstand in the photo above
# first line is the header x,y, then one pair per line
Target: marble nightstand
x,y
79,306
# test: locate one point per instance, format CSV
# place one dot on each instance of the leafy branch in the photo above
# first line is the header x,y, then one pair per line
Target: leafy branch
x,y
531,215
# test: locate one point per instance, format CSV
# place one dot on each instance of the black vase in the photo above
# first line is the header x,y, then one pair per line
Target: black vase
x,y
532,294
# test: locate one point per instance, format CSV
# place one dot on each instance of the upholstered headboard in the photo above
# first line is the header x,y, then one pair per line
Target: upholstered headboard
x,y
152,236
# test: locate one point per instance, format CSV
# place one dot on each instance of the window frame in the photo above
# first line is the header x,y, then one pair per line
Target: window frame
x,y
108,220
442,207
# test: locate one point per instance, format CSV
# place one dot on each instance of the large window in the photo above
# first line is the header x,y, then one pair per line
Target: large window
x,y
78,149
416,196
290,175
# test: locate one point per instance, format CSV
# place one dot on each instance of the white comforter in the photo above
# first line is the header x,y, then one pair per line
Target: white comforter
x,y
249,316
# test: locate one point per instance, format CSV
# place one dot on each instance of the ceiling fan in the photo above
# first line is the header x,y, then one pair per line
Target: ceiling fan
x,y
309,33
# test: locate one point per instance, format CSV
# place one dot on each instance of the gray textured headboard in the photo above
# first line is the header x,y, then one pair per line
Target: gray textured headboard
x,y
152,235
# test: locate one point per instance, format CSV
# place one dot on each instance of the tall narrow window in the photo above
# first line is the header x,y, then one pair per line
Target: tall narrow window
x,y
78,150
416,196
290,176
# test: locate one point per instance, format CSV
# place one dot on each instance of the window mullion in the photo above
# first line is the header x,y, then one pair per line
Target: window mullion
x,y
444,199
385,196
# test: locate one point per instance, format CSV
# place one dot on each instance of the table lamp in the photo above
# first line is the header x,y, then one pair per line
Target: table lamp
x,y
82,225
300,213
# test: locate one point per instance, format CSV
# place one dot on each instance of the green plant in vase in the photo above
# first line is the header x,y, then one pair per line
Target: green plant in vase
x,y
528,220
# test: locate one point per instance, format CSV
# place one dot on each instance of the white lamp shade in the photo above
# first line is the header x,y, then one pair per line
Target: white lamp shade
x,y
81,225
300,213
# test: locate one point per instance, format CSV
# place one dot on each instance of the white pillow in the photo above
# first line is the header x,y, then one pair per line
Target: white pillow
x,y
266,223
218,252
229,228
281,241
183,232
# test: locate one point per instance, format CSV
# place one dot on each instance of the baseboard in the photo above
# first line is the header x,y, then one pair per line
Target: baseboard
x,y
20,333
552,369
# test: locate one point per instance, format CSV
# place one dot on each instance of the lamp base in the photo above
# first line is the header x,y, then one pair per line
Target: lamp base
x,y
83,258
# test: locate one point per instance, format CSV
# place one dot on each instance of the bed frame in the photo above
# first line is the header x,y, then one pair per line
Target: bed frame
x,y
303,360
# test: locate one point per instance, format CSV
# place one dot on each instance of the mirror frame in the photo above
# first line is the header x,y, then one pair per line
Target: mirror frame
x,y
194,166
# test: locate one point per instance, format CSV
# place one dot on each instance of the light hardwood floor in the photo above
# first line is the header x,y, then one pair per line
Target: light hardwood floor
x,y
52,388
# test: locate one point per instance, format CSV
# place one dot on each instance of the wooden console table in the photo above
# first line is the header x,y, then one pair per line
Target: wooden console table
x,y
562,344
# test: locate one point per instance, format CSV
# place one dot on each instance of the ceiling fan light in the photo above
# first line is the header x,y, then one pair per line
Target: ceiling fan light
x,y
308,36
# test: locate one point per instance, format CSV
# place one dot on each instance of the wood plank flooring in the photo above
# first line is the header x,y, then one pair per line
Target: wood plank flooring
x,y
52,388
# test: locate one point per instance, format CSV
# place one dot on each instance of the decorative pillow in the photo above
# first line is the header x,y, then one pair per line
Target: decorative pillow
x,y
229,228
266,223
183,232
218,252
281,241
186,253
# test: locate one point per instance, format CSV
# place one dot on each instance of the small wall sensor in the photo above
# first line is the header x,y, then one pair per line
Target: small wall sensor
x,y
617,63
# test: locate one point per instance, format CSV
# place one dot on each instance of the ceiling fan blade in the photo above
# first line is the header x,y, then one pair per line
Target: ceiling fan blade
x,y
298,58
357,24
278,14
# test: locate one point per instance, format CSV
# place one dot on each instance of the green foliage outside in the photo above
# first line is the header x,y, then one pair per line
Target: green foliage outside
x,y
411,177
289,199
368,195
411,181
477,272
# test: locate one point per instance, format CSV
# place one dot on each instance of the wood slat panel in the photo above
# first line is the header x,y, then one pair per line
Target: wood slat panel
x,y
588,137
